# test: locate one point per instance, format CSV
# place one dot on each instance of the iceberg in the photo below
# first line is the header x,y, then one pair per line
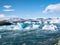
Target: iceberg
x,y
49,26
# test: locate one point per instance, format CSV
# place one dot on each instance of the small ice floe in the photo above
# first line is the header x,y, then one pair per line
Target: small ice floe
x,y
49,27
35,26
32,26
18,26
28,28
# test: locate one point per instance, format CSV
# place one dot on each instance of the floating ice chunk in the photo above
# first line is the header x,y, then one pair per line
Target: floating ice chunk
x,y
18,26
28,22
35,26
49,27
28,28
32,26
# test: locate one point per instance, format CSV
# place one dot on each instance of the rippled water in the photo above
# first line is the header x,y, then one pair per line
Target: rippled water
x,y
30,37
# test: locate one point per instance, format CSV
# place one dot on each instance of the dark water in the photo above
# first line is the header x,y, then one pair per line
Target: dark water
x,y
32,37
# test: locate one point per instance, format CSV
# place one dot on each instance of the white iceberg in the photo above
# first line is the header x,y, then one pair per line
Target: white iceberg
x,y
49,27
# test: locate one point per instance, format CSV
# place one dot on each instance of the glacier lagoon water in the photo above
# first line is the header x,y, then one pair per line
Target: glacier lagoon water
x,y
30,37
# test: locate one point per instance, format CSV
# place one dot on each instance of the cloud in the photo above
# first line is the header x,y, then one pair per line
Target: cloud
x,y
8,10
2,15
7,6
53,8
